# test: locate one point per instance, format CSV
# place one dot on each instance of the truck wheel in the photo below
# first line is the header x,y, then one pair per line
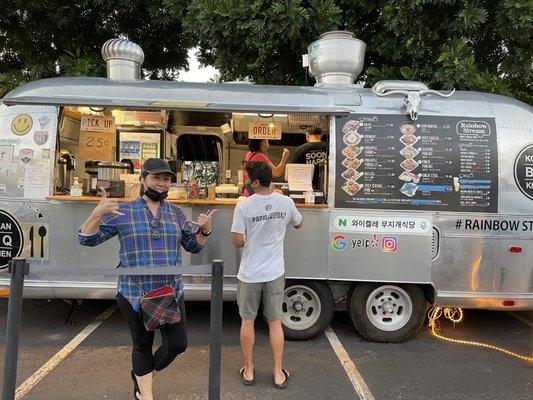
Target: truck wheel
x,y
307,309
385,312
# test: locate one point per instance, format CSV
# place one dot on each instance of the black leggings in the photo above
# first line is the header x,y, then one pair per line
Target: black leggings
x,y
174,340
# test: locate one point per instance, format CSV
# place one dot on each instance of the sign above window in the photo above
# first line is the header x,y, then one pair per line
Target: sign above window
x,y
264,130
97,123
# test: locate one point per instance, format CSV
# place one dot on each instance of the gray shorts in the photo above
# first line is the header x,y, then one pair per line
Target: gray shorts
x,y
249,295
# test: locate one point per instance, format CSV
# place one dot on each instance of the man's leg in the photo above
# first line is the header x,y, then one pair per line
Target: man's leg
x,y
248,298
272,303
247,346
277,343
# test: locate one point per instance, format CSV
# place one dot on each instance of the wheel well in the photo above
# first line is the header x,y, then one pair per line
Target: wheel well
x,y
341,290
429,293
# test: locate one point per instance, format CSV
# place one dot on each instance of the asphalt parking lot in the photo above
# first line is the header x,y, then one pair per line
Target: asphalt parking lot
x,y
422,368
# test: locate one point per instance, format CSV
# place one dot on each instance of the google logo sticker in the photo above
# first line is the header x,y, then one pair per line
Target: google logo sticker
x,y
339,243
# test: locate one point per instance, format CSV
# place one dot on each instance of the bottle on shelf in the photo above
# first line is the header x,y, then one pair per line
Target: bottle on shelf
x,y
76,189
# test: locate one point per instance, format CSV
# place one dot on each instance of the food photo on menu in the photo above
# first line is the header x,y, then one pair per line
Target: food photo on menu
x,y
352,187
409,152
409,176
409,140
351,126
354,164
351,138
352,151
351,174
409,164
408,129
409,189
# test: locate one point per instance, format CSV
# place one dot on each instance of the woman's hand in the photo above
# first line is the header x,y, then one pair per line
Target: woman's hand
x,y
205,220
285,155
106,206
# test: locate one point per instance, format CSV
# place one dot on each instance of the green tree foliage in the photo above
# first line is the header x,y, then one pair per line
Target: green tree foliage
x,y
259,40
41,39
483,45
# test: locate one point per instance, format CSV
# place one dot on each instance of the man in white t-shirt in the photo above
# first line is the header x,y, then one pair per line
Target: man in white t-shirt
x,y
259,225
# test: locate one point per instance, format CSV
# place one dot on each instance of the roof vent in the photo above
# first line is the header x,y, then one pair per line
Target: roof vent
x,y
123,58
337,57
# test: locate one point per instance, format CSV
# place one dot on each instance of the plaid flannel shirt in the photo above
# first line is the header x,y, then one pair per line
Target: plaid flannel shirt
x,y
139,249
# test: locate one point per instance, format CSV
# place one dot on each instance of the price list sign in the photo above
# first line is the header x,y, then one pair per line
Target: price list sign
x,y
97,138
434,163
96,146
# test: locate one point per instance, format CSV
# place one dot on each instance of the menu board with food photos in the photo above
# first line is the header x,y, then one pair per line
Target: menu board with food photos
x,y
433,163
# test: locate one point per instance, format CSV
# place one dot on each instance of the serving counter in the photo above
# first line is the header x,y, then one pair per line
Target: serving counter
x,y
185,202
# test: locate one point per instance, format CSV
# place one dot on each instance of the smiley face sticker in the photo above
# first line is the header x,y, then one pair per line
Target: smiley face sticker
x,y
21,124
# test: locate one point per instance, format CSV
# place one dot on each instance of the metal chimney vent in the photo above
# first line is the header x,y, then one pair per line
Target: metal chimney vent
x,y
123,59
337,57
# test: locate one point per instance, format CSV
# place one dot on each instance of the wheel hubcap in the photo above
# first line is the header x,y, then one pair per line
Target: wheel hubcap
x,y
301,307
298,306
389,308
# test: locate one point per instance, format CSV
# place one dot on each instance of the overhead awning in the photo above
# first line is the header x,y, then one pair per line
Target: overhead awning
x,y
150,94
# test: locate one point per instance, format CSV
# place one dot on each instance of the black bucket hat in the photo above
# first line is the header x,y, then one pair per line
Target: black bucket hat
x,y
156,166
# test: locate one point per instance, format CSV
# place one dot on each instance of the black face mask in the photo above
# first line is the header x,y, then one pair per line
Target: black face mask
x,y
154,195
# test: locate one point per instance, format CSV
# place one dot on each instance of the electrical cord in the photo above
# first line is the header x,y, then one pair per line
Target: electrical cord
x,y
456,315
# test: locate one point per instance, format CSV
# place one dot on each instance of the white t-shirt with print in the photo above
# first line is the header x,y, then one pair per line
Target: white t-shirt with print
x,y
263,219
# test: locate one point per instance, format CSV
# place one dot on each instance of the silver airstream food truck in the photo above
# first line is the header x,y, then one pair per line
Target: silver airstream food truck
x,y
428,195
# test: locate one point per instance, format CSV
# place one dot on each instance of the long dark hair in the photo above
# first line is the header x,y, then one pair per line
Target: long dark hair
x,y
254,145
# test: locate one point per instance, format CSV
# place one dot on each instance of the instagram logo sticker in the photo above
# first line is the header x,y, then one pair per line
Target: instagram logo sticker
x,y
389,244
339,243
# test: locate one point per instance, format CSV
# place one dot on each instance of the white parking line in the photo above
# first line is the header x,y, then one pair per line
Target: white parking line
x,y
29,383
353,374
520,318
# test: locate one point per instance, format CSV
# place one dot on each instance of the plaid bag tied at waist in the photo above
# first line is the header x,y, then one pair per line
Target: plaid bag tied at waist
x,y
159,307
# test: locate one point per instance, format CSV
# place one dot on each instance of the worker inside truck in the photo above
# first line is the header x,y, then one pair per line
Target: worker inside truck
x,y
314,152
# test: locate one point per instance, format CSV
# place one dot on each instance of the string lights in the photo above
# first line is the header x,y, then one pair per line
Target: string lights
x,y
456,315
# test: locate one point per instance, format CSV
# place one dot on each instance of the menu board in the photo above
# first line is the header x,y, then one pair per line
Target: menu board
x,y
433,163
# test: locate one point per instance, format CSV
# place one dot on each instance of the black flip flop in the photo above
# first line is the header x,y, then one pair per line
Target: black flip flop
x,y
284,384
135,386
245,381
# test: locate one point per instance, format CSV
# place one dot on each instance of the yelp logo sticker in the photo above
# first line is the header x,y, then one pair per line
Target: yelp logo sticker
x,y
339,243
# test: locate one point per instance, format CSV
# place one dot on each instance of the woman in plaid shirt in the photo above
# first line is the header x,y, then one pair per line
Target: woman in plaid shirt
x,y
151,232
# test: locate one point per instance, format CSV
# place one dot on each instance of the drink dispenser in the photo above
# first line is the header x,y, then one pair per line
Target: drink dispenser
x,y
65,164
89,185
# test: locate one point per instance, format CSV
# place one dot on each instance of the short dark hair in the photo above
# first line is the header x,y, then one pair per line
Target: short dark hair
x,y
254,144
314,130
258,171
